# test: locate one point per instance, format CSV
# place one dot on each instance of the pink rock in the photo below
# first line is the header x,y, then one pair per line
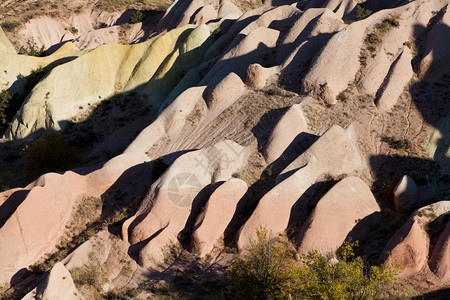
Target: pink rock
x,y
409,246
405,194
440,259
349,208
219,210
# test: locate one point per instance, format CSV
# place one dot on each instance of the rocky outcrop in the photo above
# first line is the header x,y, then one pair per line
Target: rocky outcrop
x,y
409,247
405,194
58,285
400,74
258,76
340,56
112,69
332,153
176,195
440,258
225,93
45,207
211,223
5,43
291,124
347,212
16,67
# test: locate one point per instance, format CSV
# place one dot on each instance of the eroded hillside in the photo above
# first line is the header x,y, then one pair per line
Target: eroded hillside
x,y
327,120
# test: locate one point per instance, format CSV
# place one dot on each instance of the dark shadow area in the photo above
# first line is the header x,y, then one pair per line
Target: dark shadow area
x,y
247,205
266,124
8,207
198,206
20,276
125,17
305,205
175,13
299,144
123,197
363,227
377,5
134,249
149,24
185,236
442,294
282,2
435,228
122,200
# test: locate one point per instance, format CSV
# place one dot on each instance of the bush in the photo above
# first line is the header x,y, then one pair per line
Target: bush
x,y
361,12
32,51
9,104
5,98
136,17
10,25
91,274
270,271
374,39
398,144
51,154
35,76
345,278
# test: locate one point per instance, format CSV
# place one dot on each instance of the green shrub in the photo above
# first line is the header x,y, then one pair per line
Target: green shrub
x,y
398,144
10,25
345,278
9,104
90,279
51,154
5,98
374,39
136,17
35,76
91,274
268,271
361,12
342,96
32,51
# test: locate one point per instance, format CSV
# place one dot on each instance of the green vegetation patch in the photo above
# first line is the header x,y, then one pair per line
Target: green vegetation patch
x,y
136,17
271,270
398,144
373,40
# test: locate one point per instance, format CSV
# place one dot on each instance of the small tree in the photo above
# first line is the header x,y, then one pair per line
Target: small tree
x,y
361,12
268,271
5,98
136,17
